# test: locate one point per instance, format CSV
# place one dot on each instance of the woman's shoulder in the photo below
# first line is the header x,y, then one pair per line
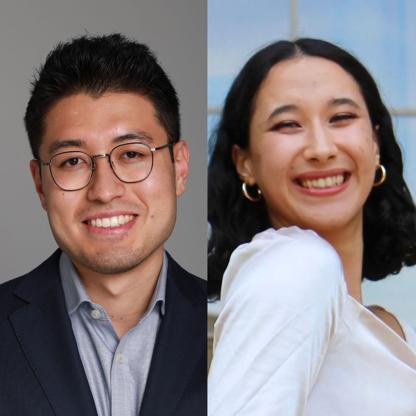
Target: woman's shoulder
x,y
288,247
291,238
282,259
409,333
287,241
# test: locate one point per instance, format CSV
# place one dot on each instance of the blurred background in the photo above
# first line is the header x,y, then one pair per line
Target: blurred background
x,y
380,33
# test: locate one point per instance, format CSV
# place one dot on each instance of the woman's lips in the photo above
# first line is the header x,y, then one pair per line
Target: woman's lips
x,y
323,183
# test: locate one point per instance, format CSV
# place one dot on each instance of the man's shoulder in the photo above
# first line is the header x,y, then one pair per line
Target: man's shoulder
x,y
188,282
9,302
8,287
14,291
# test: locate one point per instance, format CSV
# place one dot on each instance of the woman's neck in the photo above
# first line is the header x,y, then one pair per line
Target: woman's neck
x,y
349,245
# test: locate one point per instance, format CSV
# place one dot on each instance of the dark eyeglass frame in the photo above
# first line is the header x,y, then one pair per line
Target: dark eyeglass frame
x,y
110,162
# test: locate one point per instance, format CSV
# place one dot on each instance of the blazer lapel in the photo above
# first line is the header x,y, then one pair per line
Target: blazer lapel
x,y
178,348
44,331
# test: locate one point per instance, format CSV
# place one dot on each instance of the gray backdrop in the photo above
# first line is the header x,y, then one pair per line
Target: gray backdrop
x,y
29,29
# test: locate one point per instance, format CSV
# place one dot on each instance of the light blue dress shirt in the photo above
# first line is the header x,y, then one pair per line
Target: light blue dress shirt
x,y
116,369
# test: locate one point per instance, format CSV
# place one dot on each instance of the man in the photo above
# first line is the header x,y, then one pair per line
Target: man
x,y
109,324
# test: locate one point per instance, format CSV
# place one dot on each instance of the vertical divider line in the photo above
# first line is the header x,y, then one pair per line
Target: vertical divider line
x,y
293,19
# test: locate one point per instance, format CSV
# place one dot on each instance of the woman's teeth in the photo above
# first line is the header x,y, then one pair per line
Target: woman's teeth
x,y
115,221
322,183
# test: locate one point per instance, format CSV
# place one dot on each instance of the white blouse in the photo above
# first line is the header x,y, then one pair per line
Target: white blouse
x,y
289,340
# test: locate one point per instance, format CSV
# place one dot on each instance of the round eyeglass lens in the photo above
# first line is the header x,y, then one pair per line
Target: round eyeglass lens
x,y
132,162
71,170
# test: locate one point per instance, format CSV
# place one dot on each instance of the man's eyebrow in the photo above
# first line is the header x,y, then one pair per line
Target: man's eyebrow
x,y
342,101
282,109
134,135
61,144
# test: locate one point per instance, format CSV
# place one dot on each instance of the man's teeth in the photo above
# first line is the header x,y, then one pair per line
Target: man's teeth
x,y
322,183
111,221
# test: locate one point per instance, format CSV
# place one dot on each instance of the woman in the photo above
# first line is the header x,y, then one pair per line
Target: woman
x,y
306,162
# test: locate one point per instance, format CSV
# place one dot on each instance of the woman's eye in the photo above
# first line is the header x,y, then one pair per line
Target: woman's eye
x,y
341,119
287,126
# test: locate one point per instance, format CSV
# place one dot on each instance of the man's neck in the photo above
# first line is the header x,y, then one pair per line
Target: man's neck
x,y
125,296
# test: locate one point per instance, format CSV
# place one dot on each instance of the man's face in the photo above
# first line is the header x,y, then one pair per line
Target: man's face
x,y
141,215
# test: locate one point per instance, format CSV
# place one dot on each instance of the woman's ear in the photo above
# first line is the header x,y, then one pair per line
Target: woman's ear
x,y
376,130
243,164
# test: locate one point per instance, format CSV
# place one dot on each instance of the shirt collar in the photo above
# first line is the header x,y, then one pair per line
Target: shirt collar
x,y
75,293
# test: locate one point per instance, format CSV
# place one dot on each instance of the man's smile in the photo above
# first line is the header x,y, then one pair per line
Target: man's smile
x,y
110,223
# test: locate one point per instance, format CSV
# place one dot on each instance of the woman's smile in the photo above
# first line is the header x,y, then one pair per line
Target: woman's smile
x,y
313,150
322,183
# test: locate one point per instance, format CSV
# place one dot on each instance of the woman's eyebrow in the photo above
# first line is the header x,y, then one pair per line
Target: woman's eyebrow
x,y
342,101
332,103
282,109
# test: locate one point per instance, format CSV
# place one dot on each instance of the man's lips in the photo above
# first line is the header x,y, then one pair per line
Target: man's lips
x,y
108,220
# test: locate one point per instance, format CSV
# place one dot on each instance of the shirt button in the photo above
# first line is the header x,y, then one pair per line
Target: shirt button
x,y
120,358
96,314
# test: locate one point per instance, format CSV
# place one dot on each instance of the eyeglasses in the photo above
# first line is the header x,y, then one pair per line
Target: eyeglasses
x,y
130,162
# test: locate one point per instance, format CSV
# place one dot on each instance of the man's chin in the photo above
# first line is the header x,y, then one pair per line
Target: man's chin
x,y
110,263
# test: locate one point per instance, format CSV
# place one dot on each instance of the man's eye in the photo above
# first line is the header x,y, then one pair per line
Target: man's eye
x,y
132,154
342,119
71,162
131,157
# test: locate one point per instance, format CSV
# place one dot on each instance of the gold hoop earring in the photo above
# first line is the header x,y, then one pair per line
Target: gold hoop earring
x,y
248,196
383,175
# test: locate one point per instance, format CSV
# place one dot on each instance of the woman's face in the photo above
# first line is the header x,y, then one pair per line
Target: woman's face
x,y
313,151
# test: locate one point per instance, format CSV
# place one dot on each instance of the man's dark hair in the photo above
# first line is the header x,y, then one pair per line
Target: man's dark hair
x,y
95,65
389,212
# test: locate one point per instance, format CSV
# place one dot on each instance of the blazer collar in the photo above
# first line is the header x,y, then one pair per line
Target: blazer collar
x,y
180,345
44,331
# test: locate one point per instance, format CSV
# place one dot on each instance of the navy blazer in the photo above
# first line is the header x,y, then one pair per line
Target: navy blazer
x,y
41,373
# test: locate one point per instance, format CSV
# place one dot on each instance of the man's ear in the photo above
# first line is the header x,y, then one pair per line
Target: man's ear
x,y
181,164
243,164
37,179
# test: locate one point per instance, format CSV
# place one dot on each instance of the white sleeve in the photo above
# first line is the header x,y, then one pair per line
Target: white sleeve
x,y
281,299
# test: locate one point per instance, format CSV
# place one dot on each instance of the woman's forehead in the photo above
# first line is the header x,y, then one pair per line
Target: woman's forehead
x,y
305,78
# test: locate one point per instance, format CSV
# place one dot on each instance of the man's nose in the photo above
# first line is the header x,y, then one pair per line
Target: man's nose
x,y
320,145
104,186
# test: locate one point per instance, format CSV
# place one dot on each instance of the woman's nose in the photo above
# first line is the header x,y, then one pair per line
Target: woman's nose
x,y
320,145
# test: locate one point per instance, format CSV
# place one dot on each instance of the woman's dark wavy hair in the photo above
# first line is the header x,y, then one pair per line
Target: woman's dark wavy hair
x,y
389,212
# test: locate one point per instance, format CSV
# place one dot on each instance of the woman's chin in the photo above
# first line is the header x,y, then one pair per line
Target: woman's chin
x,y
325,224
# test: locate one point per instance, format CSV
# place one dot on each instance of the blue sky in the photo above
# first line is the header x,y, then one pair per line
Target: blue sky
x,y
381,33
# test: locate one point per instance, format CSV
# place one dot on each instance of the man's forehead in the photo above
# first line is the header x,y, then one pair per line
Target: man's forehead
x,y
80,119
60,144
